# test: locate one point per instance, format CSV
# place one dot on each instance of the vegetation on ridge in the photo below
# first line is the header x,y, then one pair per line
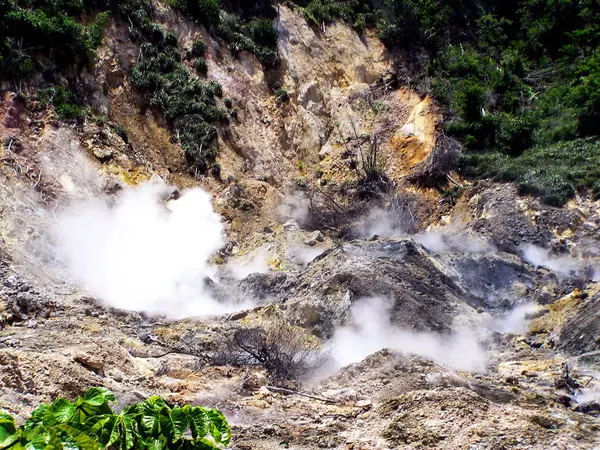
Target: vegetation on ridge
x,y
520,81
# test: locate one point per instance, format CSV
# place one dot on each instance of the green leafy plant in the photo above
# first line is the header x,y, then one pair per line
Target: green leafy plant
x,y
200,66
187,103
379,107
198,47
66,104
89,423
257,36
282,95
36,35
206,12
355,12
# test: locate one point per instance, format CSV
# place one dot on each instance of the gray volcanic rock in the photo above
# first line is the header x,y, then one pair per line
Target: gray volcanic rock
x,y
497,216
423,296
581,332
497,278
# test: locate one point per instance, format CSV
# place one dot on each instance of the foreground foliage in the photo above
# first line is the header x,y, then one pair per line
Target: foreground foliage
x,y
89,423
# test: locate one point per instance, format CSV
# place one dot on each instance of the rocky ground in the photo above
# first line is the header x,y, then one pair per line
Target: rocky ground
x,y
62,342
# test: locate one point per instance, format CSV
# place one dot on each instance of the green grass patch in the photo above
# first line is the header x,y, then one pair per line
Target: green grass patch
x,y
554,172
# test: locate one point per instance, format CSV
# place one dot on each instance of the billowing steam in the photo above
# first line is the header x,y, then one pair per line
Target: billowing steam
x,y
373,331
140,253
514,321
563,265
255,262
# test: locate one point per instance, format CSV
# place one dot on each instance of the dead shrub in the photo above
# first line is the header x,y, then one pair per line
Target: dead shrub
x,y
287,352
401,212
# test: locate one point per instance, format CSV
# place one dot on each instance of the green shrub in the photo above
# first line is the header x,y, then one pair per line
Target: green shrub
x,y
206,12
513,134
355,12
96,30
186,102
198,47
469,99
65,103
257,8
241,37
121,131
262,32
89,423
36,35
379,107
552,172
282,95
200,66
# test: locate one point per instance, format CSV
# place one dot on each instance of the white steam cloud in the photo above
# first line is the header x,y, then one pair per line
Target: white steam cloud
x,y
442,242
140,253
514,321
373,331
254,262
563,265
381,223
304,255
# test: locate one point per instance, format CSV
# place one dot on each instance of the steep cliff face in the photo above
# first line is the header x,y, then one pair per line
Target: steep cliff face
x,y
340,85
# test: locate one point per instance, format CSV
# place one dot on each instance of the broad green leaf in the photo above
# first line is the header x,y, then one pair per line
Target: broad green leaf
x,y
37,416
7,426
115,431
129,432
94,403
154,403
151,413
98,396
219,427
150,424
79,438
179,422
156,444
199,421
10,440
103,430
37,438
122,432
59,412
165,425
96,426
205,444
54,442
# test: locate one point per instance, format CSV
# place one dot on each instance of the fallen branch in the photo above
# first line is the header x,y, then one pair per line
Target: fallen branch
x,y
454,181
303,394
